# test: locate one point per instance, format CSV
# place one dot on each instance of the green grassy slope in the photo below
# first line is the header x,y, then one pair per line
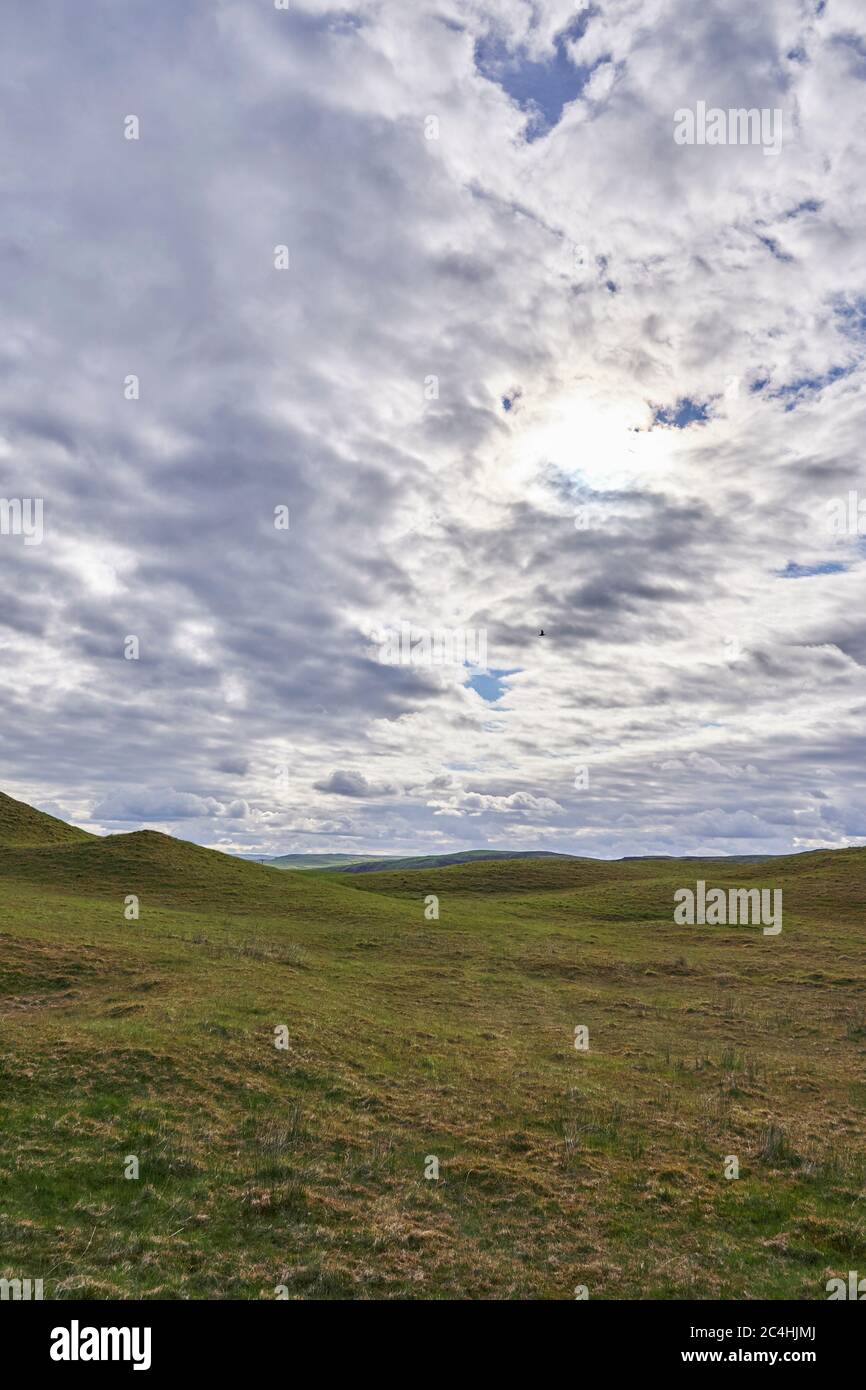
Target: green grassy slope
x,y
21,824
163,871
409,1038
506,876
828,879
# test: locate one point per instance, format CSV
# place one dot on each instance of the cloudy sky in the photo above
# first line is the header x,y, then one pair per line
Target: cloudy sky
x,y
532,365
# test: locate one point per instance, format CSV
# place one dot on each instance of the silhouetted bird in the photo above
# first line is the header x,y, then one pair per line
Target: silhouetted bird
x,y
541,633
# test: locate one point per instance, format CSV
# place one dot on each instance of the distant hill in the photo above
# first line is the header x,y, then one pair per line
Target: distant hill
x,y
312,861
703,858
375,864
367,864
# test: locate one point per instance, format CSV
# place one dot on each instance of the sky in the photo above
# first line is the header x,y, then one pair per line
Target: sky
x,y
526,363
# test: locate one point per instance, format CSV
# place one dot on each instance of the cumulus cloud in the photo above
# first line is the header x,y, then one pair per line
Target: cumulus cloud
x,y
532,365
351,783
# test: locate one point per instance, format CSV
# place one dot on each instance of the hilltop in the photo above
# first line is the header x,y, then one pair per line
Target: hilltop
x,y
21,824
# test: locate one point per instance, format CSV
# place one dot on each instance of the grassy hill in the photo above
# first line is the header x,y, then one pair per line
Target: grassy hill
x,y
21,824
153,865
821,880
159,869
410,1038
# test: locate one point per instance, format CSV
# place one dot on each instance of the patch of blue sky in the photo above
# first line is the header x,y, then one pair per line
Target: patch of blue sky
x,y
807,205
851,314
801,389
685,412
774,248
540,88
794,571
490,684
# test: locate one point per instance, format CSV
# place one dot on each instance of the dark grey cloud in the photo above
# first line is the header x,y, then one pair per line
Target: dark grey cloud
x,y
349,782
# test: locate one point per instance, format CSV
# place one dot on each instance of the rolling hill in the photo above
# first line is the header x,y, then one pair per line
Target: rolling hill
x,y
159,869
21,824
405,1037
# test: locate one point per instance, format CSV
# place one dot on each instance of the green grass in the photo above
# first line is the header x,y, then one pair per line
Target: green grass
x,y
407,1038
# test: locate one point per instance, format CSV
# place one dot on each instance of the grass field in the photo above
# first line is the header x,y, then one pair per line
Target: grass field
x,y
304,1168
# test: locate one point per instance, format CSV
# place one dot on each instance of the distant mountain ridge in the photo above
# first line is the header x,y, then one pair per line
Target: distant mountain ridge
x,y
368,864
371,864
310,861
